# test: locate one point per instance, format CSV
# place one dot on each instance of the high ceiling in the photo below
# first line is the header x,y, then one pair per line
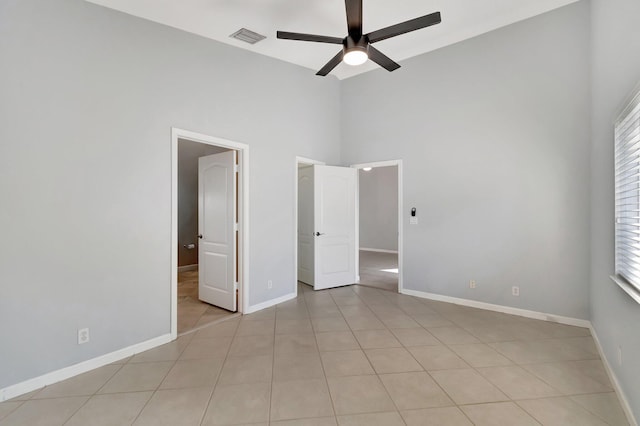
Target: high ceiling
x,y
217,19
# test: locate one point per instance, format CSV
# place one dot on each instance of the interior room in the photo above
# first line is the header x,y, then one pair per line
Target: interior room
x,y
507,117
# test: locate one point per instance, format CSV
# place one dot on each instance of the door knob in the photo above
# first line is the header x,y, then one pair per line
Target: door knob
x,y
200,236
318,234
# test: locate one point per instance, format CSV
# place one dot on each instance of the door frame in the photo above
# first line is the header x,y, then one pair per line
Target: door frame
x,y
243,216
375,164
298,161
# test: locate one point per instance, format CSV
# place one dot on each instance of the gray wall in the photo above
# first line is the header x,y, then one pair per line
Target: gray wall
x,y
378,193
615,72
494,137
87,99
188,154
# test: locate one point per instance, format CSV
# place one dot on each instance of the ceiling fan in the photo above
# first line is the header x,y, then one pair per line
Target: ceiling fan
x,y
356,47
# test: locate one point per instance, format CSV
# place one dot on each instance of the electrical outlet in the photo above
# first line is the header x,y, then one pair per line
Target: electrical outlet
x,y
83,336
269,284
515,290
472,284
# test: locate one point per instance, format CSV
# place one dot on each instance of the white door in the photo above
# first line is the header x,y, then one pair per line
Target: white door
x,y
335,226
305,225
216,229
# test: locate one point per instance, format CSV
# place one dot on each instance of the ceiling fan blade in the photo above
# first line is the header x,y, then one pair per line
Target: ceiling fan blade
x,y
381,59
309,37
354,17
405,27
331,64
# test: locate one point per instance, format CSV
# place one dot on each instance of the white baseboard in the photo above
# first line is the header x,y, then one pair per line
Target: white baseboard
x,y
500,308
624,403
269,303
82,367
186,268
378,250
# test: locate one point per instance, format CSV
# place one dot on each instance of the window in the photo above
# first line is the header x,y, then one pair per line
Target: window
x,y
627,196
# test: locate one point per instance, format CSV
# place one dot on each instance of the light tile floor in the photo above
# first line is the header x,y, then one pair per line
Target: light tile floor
x,y
379,270
192,313
347,356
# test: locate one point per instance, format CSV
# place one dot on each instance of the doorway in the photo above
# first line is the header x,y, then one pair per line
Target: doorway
x,y
325,224
209,261
380,224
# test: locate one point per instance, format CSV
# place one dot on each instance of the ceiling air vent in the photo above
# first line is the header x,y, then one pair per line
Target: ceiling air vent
x,y
247,36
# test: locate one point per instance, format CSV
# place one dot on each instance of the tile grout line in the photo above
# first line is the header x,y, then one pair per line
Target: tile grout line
x,y
215,383
324,373
93,394
369,360
423,368
273,364
154,391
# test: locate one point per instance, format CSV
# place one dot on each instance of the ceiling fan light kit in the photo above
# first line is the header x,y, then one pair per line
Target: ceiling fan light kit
x,y
356,47
355,52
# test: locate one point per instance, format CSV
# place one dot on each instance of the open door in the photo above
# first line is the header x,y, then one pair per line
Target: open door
x,y
334,218
217,189
306,227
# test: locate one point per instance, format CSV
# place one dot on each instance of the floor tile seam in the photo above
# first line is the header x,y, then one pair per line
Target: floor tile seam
x,y
372,367
557,362
402,345
451,396
531,416
458,407
538,339
510,358
20,403
565,394
159,383
538,399
143,407
326,379
33,397
216,322
273,370
215,384
76,410
97,392
560,393
450,347
593,412
456,404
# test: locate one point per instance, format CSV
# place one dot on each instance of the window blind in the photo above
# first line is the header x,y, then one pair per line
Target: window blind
x,y
627,197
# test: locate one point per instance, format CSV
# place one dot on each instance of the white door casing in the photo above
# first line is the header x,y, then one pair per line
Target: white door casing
x,y
305,225
335,226
217,189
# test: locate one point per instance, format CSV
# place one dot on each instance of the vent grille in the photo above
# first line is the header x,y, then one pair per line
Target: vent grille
x,y
247,36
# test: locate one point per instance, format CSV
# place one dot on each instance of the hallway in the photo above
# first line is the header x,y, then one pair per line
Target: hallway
x,y
379,270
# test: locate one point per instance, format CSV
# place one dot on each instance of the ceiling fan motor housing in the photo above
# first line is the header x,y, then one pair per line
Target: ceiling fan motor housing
x,y
351,44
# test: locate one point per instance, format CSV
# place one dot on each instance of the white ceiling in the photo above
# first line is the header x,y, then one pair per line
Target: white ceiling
x,y
217,19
